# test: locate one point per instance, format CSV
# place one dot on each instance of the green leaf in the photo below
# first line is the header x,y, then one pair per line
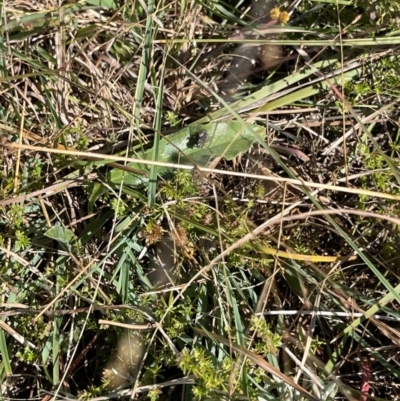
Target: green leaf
x,y
62,235
223,139
97,191
112,4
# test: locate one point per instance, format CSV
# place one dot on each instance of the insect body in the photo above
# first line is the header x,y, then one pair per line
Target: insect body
x,y
201,138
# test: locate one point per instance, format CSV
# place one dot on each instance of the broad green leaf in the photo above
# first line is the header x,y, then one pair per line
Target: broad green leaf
x,y
224,139
62,235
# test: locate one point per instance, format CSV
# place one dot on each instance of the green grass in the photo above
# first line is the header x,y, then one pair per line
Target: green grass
x,y
137,260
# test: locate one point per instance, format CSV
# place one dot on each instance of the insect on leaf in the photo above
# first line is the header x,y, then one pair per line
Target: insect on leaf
x,y
196,145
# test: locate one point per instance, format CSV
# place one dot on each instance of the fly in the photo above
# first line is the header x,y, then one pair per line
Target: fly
x,y
201,138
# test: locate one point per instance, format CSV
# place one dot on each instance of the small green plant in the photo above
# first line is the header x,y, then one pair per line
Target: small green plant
x,y
22,240
173,119
119,207
270,341
27,355
154,394
210,378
